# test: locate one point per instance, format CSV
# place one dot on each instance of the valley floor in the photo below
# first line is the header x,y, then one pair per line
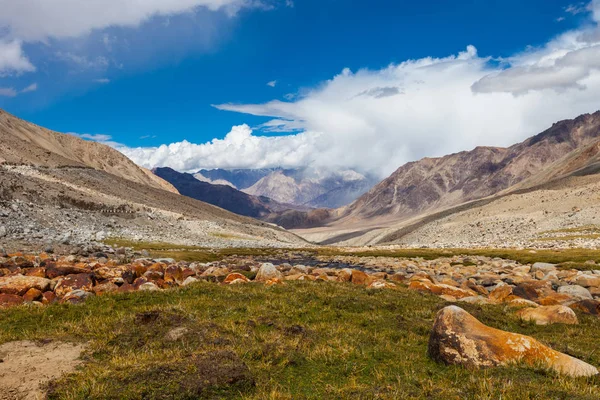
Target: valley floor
x,y
317,338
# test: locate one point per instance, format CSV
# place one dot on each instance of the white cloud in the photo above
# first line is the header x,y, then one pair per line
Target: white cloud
x,y
12,58
239,149
8,92
272,83
578,8
31,88
96,137
102,80
376,120
33,20
84,62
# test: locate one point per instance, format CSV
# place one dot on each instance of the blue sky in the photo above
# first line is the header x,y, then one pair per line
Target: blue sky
x,y
147,81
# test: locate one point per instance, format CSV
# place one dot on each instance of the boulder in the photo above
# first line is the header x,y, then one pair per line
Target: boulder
x,y
557,299
588,280
8,300
576,292
441,289
345,275
458,338
266,272
70,283
148,287
587,307
547,315
533,290
543,267
235,278
76,296
103,288
360,278
19,284
32,294
500,293
189,280
49,298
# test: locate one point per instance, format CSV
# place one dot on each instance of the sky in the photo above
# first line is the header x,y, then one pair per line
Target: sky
x,y
330,84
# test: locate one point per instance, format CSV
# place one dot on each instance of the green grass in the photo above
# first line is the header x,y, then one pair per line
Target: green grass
x,y
523,256
303,340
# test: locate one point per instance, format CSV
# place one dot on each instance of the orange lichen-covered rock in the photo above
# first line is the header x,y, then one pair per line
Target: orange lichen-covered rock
x,y
70,283
234,278
458,338
441,289
533,290
360,278
19,284
549,315
32,294
587,306
554,299
8,300
500,293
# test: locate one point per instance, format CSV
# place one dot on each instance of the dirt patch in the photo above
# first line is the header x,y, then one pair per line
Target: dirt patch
x,y
26,367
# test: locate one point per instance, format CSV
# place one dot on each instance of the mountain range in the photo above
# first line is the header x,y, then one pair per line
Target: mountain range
x,y
422,188
303,187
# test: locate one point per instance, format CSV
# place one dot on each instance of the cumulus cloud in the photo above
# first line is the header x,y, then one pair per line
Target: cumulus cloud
x,y
239,149
437,113
272,83
376,120
12,58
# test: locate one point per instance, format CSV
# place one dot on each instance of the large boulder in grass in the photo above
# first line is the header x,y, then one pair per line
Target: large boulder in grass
x,y
458,338
266,272
19,284
547,315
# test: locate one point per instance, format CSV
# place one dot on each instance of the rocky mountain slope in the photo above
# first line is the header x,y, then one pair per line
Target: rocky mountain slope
x,y
311,188
434,188
55,188
26,143
223,196
435,183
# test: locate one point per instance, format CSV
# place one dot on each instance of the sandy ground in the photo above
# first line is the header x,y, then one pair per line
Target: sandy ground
x,y
26,367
